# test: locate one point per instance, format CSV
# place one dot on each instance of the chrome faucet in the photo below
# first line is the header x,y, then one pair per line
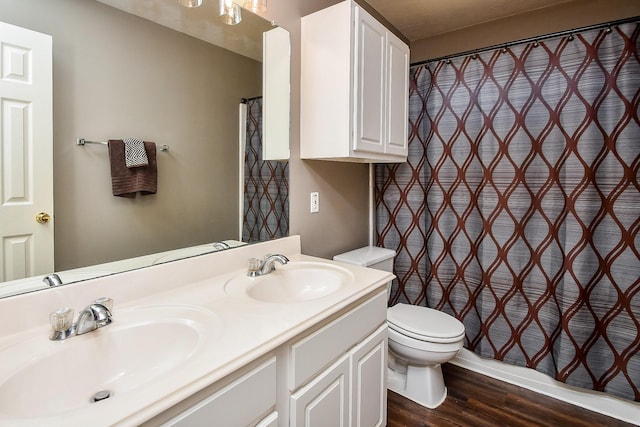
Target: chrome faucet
x,y
266,266
52,280
220,246
94,316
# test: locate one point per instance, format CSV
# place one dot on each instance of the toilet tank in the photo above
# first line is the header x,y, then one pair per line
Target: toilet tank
x,y
369,256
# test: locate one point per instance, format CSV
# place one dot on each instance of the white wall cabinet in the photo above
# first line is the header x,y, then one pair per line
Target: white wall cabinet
x,y
354,87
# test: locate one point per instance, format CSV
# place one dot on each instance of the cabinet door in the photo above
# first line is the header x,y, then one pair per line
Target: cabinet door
x,y
324,402
369,381
397,96
370,42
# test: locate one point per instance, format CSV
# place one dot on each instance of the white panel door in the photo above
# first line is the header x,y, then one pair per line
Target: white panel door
x,y
397,96
369,83
26,152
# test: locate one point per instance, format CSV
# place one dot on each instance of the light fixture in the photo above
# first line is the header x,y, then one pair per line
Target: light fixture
x,y
190,3
230,12
256,6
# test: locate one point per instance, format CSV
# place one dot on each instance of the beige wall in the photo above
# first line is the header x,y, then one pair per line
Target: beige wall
x,y
116,75
566,16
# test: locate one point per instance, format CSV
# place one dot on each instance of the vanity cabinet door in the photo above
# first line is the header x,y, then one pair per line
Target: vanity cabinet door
x,y
368,381
325,400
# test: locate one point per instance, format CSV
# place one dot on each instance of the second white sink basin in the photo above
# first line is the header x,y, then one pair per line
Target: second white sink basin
x,y
43,378
291,283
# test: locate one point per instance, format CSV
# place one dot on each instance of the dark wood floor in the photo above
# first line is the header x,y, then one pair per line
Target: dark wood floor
x,y
477,400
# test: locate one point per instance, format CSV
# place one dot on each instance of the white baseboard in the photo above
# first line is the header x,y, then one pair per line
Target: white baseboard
x,y
621,409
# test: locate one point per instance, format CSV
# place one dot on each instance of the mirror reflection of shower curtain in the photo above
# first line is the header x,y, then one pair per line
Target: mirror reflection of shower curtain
x,y
265,200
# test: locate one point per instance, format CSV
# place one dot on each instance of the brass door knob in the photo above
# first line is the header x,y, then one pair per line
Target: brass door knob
x,y
43,217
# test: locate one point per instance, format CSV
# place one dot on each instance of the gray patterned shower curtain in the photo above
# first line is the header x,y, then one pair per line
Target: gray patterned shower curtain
x,y
518,210
266,186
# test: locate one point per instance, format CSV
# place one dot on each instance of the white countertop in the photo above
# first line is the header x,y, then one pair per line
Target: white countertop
x,y
246,328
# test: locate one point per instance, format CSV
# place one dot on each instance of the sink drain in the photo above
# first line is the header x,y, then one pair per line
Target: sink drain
x,y
101,395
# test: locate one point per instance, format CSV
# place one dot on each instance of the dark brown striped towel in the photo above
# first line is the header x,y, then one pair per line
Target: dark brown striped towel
x,y
126,182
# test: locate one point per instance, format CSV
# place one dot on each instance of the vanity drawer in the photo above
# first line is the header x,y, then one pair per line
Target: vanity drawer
x,y
242,402
311,354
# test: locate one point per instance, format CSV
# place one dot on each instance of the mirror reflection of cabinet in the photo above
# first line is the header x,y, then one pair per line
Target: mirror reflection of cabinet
x,y
275,81
354,87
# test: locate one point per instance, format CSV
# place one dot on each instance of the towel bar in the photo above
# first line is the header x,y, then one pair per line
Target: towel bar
x,y
82,141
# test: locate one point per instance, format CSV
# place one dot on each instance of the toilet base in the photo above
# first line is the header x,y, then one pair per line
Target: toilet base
x,y
422,384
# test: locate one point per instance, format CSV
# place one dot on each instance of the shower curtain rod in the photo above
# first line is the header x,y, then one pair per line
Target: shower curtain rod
x,y
530,39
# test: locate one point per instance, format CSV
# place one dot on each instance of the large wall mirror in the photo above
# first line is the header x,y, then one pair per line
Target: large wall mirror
x,y
154,70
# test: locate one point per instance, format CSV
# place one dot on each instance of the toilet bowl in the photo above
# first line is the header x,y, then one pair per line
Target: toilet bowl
x,y
421,339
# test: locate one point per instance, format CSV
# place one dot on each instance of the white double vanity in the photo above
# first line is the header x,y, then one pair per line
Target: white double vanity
x,y
197,342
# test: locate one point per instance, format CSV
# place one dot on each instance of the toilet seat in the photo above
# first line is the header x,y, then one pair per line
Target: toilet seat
x,y
424,324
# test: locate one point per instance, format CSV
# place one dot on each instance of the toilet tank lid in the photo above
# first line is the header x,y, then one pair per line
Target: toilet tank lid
x,y
366,256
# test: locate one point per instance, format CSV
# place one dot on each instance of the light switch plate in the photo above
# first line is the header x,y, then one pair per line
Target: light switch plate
x,y
315,202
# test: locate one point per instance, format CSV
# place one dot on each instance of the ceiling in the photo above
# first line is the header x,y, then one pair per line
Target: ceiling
x,y
419,19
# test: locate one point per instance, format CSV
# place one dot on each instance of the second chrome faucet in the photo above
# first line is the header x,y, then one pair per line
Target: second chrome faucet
x,y
267,265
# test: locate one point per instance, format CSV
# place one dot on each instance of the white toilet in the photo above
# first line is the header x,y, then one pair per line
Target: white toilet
x,y
420,338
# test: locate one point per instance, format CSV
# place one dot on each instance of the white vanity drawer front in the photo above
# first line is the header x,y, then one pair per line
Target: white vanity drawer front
x,y
240,403
313,353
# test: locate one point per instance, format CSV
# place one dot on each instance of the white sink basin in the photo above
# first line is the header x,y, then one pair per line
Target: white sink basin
x,y
43,378
291,283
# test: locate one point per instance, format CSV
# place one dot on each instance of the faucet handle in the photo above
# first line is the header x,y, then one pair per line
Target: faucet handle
x,y
61,319
105,301
254,267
